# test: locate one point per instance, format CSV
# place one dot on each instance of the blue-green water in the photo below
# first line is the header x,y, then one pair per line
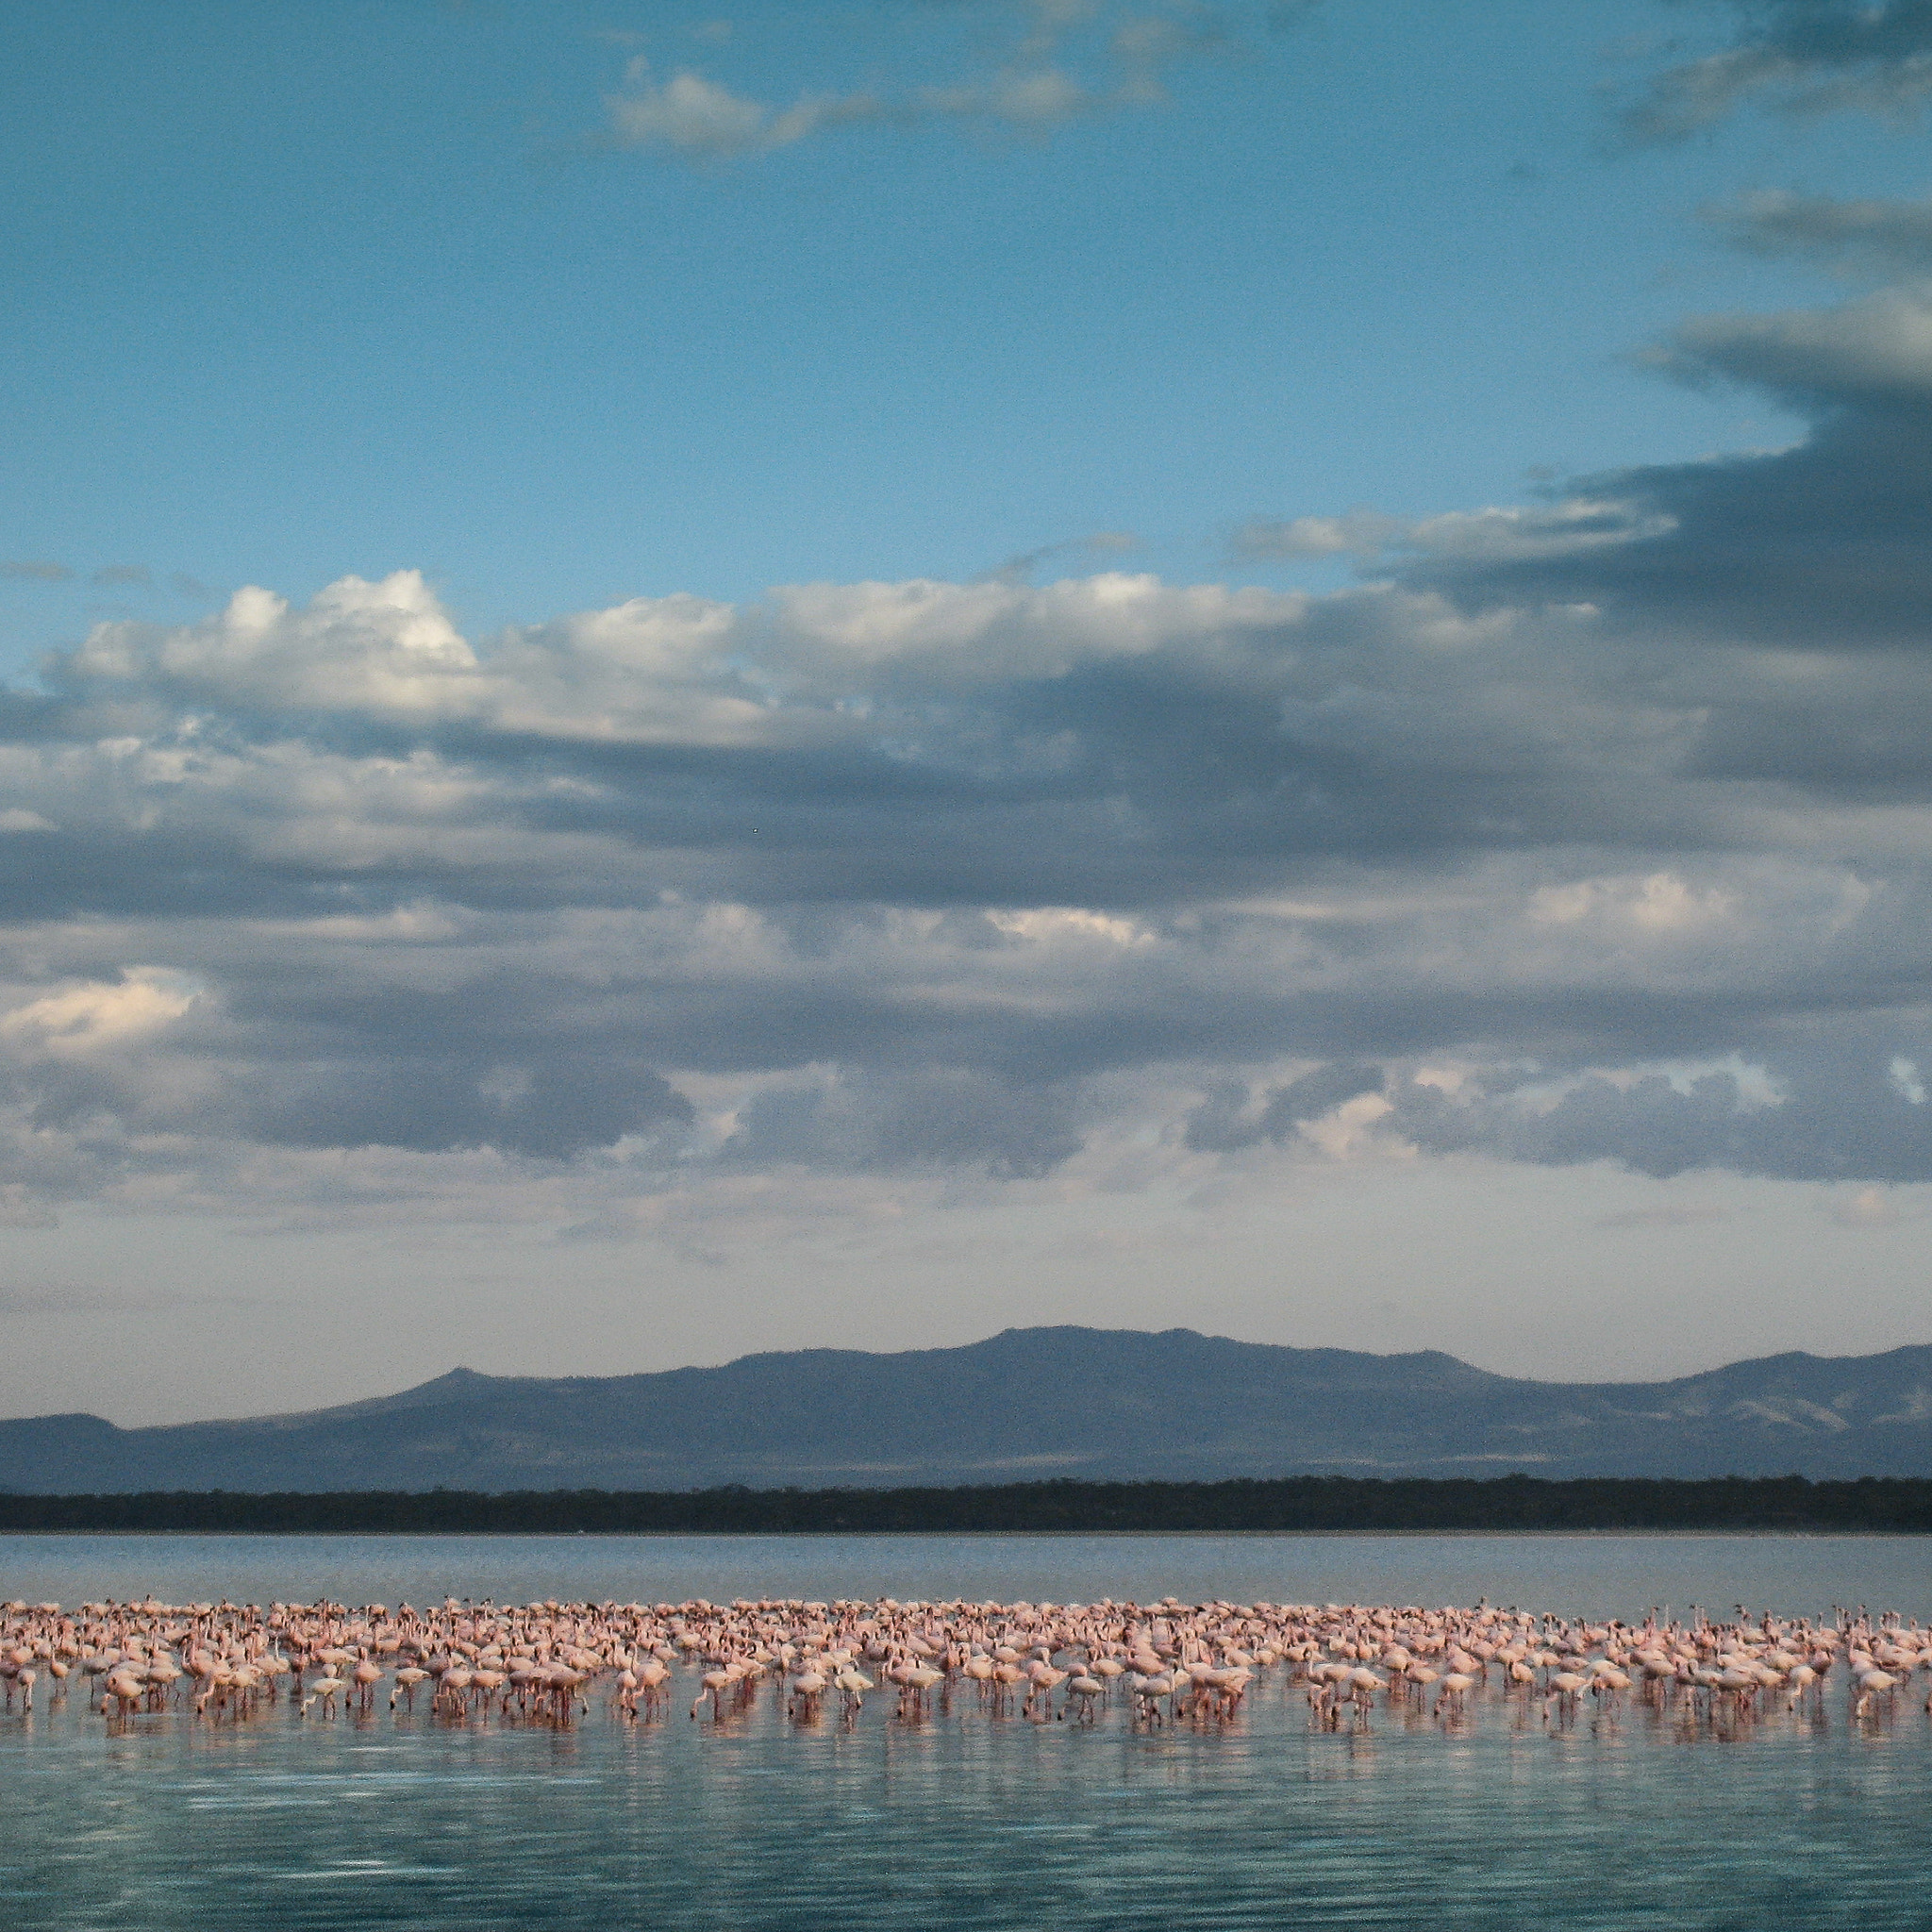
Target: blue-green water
x,y
967,1819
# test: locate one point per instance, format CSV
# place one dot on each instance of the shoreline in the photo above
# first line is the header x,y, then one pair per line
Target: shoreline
x,y
1611,1533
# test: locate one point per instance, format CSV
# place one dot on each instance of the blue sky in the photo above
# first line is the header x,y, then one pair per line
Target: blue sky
x,y
311,288
851,674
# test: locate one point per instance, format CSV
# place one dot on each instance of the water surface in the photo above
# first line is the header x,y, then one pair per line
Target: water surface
x,y
1619,1821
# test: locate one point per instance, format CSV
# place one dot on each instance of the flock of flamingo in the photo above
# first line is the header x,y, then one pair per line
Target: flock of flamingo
x,y
1162,1663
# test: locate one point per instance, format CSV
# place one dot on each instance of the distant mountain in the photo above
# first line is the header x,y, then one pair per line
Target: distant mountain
x,y
1027,1404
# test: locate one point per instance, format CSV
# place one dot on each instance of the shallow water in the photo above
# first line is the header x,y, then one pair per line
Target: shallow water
x,y
1617,1820
1604,1574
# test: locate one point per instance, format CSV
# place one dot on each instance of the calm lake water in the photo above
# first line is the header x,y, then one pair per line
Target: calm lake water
x,y
973,1821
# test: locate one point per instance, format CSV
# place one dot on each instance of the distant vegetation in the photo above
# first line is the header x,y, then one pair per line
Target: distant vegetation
x,y
1294,1502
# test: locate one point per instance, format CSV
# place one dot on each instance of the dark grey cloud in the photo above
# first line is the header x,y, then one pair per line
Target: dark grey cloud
x,y
942,1117
1820,546
1227,1121
1805,56
1838,1111
550,1107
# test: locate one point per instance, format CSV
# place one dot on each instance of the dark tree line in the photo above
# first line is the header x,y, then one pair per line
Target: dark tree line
x,y
1291,1503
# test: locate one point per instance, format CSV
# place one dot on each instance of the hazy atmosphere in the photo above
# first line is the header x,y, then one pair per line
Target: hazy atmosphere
x,y
689,681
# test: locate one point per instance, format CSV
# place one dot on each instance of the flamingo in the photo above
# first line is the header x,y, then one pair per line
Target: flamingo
x,y
323,1691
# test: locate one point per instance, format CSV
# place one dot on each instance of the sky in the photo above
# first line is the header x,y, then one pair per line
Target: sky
x,y
684,680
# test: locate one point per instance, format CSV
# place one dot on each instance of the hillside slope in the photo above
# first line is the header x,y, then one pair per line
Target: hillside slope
x,y
1027,1403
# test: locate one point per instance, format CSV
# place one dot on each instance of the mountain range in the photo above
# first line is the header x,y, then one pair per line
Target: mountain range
x,y
1028,1403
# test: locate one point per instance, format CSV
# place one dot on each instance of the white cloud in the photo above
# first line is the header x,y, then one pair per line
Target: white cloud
x,y
81,1021
1877,347
1030,90
386,645
1661,903
695,117
1566,528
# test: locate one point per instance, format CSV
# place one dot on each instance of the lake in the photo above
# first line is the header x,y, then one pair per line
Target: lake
x,y
1617,1819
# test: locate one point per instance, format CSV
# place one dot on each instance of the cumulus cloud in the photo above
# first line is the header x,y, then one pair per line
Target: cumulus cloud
x,y
930,878
386,646
1594,830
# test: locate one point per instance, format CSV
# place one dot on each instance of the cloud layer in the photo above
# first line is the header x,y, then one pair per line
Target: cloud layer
x,y
1597,830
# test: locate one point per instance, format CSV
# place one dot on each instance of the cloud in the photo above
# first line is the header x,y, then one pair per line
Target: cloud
x,y
940,1117
1827,1120
1589,830
36,570
1875,351
552,1106
1807,57
1816,546
1886,236
1101,543
83,1021
1560,528
121,573
19,1208
1865,1208
386,645
695,117
1228,1120
1065,63
1364,533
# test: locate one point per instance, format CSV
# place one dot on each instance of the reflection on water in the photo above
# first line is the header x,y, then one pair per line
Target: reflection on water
x,y
1611,1574
1492,1818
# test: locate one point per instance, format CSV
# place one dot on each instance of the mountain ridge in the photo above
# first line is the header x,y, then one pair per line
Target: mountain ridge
x,y
1113,1403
